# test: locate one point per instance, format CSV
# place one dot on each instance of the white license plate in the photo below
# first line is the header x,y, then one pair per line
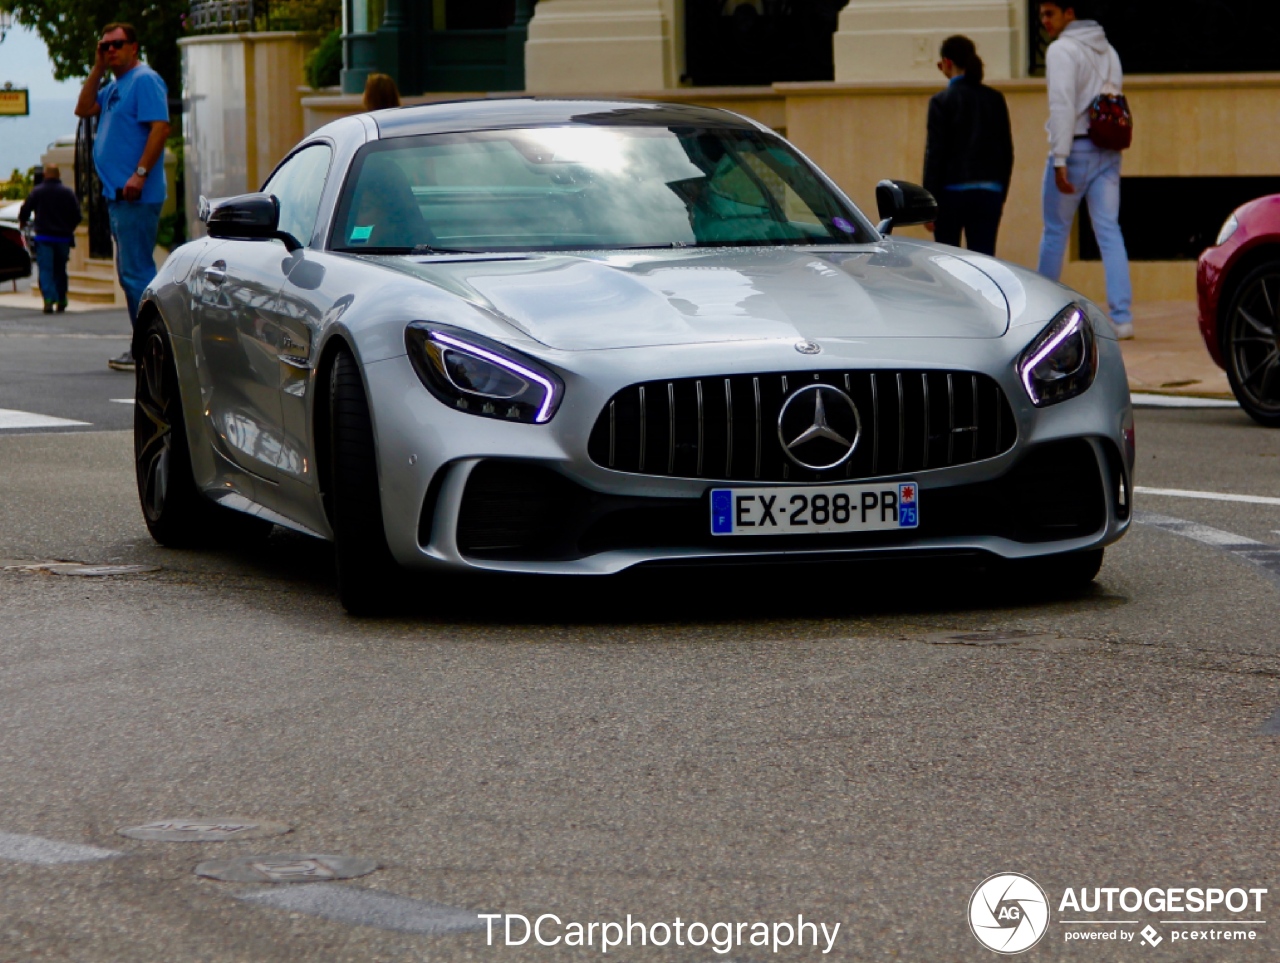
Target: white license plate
x,y
815,509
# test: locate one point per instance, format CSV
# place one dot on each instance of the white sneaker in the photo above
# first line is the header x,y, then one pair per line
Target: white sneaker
x,y
1123,331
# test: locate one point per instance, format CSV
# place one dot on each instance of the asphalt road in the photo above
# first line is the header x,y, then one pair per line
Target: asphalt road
x,y
56,365
719,749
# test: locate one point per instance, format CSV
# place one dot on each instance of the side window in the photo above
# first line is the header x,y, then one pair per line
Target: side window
x,y
298,185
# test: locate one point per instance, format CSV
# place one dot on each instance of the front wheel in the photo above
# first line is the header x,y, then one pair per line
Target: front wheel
x,y
1070,571
368,576
1251,344
177,514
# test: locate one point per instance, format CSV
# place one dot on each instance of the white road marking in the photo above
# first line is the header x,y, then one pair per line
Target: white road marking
x,y
1266,557
10,419
122,401
366,907
1143,400
47,852
1207,496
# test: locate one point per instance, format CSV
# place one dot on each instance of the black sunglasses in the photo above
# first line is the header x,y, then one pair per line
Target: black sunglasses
x,y
112,45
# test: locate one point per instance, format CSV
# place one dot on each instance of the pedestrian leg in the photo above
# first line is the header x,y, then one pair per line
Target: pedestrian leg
x,y
1104,212
982,223
1059,214
61,252
134,226
947,228
48,286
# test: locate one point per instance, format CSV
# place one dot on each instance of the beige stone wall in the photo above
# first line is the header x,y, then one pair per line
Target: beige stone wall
x,y
622,45
242,110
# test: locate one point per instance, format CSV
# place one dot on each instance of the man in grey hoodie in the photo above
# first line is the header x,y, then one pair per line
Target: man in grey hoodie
x,y
1080,65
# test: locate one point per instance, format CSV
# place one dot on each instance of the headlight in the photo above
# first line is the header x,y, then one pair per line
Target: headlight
x,y
1063,359
473,375
1228,228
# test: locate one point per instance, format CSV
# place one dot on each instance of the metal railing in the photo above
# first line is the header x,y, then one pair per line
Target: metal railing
x,y
214,16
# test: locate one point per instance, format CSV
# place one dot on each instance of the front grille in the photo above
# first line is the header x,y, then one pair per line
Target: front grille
x,y
727,427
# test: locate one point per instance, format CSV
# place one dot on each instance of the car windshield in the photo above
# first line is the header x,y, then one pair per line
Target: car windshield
x,y
584,187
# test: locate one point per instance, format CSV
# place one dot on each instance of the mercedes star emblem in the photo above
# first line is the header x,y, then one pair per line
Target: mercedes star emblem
x,y
819,427
808,347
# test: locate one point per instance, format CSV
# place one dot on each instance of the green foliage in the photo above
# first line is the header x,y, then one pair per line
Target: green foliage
x,y
314,15
18,186
70,29
324,64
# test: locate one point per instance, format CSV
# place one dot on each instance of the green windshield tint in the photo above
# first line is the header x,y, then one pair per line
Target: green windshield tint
x,y
574,188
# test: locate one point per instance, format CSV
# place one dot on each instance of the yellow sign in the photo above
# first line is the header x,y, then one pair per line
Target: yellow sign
x,y
13,102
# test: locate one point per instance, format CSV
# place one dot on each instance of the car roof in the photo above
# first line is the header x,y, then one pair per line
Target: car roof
x,y
509,112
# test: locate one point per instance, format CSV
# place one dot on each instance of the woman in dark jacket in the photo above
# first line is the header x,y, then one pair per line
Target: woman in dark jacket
x,y
968,160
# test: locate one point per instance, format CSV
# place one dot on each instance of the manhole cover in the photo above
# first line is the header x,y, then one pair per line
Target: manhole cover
x,y
203,830
285,869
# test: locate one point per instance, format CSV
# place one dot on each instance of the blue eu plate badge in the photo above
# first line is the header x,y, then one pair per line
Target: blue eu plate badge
x,y
721,512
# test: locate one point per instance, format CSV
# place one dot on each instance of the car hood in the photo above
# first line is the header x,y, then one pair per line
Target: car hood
x,y
897,289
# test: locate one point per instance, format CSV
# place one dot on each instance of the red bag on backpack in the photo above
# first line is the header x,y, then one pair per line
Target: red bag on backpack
x,y
1111,122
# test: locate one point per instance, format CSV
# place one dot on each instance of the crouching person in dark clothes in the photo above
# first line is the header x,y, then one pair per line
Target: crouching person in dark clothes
x,y
968,160
56,212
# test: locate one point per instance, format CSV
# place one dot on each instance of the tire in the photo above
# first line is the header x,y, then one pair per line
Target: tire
x,y
1251,343
1069,572
177,513
368,576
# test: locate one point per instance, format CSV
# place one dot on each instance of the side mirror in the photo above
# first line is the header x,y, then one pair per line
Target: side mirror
x,y
903,204
249,217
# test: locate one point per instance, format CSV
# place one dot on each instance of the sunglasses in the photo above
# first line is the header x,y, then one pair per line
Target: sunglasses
x,y
112,45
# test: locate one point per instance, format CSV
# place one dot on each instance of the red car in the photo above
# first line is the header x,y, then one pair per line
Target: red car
x,y
1239,287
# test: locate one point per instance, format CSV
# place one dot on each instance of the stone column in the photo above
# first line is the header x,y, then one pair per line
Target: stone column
x,y
606,46
899,39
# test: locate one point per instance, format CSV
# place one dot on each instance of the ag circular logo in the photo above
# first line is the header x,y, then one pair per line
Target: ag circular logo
x,y
819,427
1009,913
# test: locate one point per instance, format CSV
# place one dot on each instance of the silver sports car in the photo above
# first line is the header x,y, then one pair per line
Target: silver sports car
x,y
576,337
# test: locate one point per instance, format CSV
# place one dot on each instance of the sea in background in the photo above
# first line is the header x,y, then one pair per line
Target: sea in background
x,y
24,139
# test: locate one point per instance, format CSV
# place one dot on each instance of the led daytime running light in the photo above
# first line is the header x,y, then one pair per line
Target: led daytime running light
x,y
548,388
1029,366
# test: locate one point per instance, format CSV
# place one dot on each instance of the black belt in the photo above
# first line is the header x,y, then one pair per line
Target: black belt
x,y
1081,137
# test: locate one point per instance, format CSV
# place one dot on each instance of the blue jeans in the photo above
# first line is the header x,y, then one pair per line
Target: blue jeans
x,y
51,258
1095,173
134,226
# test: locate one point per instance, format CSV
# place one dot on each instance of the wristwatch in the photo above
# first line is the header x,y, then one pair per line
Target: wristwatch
x,y
141,171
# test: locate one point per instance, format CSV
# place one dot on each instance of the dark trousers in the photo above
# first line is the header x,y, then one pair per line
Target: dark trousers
x,y
975,213
51,258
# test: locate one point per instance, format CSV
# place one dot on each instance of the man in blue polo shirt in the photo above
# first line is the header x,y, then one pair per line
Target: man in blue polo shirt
x,y
133,124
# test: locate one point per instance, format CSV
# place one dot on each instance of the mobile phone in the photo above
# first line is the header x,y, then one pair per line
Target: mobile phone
x,y
119,193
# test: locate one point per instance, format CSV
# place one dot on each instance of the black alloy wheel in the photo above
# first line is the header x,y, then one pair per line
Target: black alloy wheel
x,y
369,580
177,514
1251,344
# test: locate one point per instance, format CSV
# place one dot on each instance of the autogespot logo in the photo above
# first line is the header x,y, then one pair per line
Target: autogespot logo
x,y
1009,913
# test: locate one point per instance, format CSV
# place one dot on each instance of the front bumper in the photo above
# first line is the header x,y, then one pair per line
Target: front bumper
x,y
465,493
